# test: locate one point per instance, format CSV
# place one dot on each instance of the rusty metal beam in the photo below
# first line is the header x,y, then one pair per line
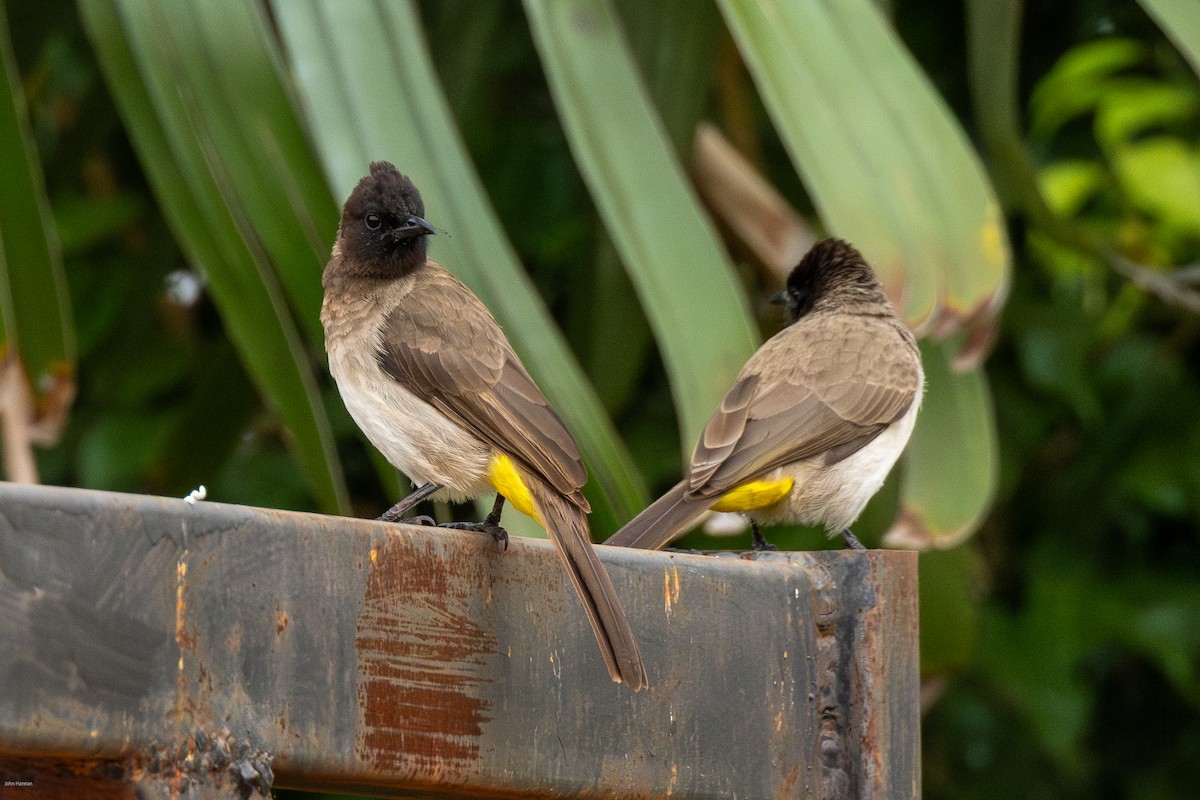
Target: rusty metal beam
x,y
148,642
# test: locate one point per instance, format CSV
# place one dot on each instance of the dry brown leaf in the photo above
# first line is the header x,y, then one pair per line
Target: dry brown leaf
x,y
752,209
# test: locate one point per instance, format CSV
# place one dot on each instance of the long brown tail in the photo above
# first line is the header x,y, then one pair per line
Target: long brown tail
x,y
661,521
568,529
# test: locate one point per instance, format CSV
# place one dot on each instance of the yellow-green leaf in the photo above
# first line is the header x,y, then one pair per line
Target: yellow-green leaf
x,y
689,290
950,466
34,307
886,164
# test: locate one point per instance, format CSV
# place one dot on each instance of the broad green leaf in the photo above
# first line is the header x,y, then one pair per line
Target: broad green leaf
x,y
950,466
993,45
141,46
1068,185
229,74
34,305
273,170
689,291
464,37
262,161
1162,177
1077,82
1133,107
882,157
1180,20
370,93
674,42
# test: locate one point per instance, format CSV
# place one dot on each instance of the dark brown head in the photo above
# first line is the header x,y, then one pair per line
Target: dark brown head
x,y
832,275
382,232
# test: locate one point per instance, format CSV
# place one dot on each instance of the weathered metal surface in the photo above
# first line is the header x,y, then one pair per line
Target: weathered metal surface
x,y
139,632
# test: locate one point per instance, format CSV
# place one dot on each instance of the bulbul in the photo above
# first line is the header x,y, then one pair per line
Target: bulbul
x,y
430,378
816,417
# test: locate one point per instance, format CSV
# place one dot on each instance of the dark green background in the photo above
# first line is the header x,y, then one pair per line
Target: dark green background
x,y
1065,660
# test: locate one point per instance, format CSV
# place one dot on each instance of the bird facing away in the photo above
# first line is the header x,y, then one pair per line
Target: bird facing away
x,y
816,418
428,375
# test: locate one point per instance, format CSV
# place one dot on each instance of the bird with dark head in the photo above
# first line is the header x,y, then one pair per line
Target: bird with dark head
x,y
833,274
427,373
816,418
383,225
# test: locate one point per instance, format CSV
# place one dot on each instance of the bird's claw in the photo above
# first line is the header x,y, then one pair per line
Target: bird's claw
x,y
422,519
498,533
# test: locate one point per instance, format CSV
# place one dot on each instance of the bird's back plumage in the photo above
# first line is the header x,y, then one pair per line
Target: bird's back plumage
x,y
817,394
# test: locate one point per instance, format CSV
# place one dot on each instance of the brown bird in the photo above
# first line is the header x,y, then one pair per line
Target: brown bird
x,y
816,418
427,373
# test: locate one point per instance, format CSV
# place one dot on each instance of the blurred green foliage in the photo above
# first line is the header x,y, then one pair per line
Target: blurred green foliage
x,y
1061,645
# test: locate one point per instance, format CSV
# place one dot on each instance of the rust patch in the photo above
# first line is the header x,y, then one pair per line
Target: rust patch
x,y
787,786
833,690
888,754
185,641
421,662
223,763
50,779
204,765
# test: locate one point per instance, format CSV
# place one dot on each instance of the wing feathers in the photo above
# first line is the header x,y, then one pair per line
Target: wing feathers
x,y
822,388
445,347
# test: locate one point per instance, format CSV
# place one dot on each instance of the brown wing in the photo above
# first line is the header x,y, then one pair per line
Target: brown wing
x,y
444,346
823,387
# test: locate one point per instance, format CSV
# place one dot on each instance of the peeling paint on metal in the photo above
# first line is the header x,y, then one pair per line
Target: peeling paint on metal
x,y
421,665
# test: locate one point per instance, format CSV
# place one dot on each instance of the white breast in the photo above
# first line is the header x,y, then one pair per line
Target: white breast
x,y
415,437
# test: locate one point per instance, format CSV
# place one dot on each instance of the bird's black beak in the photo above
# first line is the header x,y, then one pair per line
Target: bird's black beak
x,y
780,299
413,226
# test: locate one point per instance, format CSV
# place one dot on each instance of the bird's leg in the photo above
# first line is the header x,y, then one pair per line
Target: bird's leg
x,y
497,509
397,512
760,543
490,523
852,541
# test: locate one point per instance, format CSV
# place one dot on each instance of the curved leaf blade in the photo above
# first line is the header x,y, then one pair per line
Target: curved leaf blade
x,y
1180,20
689,291
34,304
884,160
267,168
951,464
137,47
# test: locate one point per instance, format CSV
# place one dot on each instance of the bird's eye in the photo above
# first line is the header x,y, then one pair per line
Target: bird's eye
x,y
373,221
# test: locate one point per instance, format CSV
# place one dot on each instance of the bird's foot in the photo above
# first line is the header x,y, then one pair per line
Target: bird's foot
x,y
498,533
852,542
760,543
423,519
396,513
